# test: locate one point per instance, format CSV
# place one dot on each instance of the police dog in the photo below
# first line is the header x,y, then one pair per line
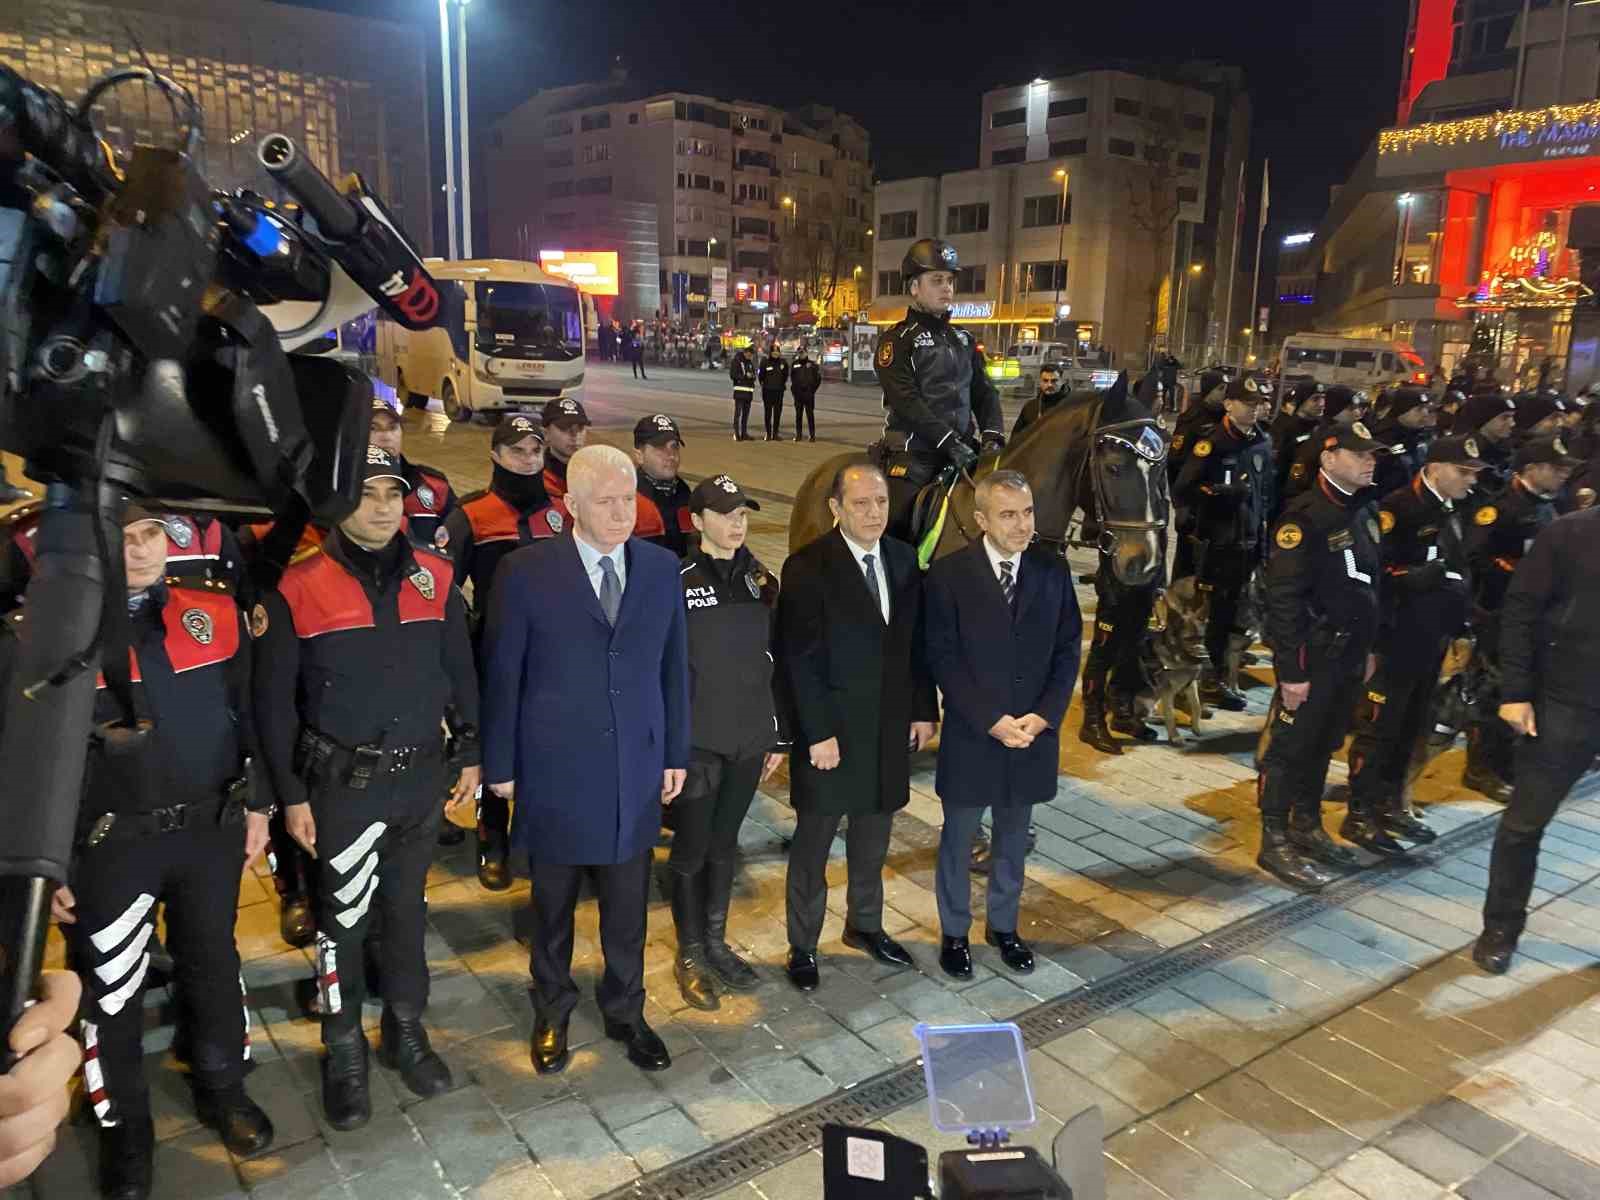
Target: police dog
x,y
1176,654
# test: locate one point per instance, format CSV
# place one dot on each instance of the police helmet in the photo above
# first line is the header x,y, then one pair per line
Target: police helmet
x,y
928,254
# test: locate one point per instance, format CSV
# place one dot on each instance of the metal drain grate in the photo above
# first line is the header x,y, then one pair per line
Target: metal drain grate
x,y
748,1155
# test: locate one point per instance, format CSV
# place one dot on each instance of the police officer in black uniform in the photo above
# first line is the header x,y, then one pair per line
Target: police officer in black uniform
x,y
942,407
734,735
430,499
805,377
742,372
1050,394
661,514
1541,414
1291,429
1341,407
1406,419
1322,589
362,655
1204,408
1489,415
163,822
1427,598
774,376
1223,498
1502,530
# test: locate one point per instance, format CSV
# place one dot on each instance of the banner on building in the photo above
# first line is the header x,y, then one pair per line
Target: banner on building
x,y
719,285
680,292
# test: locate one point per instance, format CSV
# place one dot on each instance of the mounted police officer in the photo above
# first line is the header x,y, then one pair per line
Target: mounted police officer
x,y
1224,501
1427,592
942,408
1502,531
429,499
163,822
661,515
362,655
1322,587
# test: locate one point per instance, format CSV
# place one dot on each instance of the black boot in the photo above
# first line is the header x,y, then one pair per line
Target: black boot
x,y
1398,821
732,972
695,984
405,1048
346,1099
1279,856
1093,732
244,1128
1361,826
127,1153
1309,837
1482,778
1125,719
1216,692
1493,950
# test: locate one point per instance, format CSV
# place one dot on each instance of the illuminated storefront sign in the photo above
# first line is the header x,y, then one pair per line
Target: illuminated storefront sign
x,y
595,271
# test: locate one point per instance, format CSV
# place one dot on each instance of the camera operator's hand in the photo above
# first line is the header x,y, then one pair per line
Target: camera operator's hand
x,y
302,826
33,1097
62,904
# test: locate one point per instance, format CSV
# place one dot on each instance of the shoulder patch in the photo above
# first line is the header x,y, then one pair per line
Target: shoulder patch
x,y
1202,447
1487,515
1289,536
1385,520
1297,471
1585,497
886,352
1178,440
258,620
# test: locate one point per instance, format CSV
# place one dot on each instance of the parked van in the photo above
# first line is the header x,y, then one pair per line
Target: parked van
x,y
1364,363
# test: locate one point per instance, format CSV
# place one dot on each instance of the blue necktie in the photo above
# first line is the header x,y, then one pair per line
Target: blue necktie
x,y
610,590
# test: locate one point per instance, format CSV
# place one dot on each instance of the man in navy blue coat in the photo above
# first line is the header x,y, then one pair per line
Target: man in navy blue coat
x,y
1002,638
586,726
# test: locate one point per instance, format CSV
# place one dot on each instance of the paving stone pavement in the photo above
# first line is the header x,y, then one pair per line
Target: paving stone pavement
x,y
1355,1053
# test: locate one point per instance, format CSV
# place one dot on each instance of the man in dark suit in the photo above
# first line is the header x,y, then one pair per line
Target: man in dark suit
x,y
1002,635
586,725
848,619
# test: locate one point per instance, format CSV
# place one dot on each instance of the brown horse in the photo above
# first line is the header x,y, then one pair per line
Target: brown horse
x,y
1098,451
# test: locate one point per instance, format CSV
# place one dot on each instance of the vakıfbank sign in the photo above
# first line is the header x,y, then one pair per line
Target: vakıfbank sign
x,y
1562,131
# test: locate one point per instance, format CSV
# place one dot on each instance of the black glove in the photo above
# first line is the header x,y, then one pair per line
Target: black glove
x,y
961,454
993,443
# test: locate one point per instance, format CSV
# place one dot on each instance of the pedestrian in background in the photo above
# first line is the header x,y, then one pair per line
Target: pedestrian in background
x,y
805,377
636,350
742,371
774,376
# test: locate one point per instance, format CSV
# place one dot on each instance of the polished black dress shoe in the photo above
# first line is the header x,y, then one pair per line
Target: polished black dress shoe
x,y
880,945
1493,950
646,1050
1220,695
1014,952
548,1047
955,958
803,969
245,1129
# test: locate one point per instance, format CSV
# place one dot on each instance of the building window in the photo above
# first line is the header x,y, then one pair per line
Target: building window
x,y
970,280
557,126
1067,108
591,121
1194,122
966,218
633,118
898,225
1015,154
752,159
1157,154
693,248
594,185
753,193
751,260
1124,107
559,187
705,114
1008,116
1188,195
1045,210
1121,146
746,121
597,152
1069,148
890,283
754,227
1044,276
697,146
1188,160
558,158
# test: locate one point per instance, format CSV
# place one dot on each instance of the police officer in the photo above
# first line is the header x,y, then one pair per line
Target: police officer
x,y
513,511
362,653
734,736
1223,498
774,376
1502,531
163,821
1540,414
1322,588
805,377
935,388
1047,397
742,372
1341,408
1427,591
1203,408
1489,415
204,553
1406,420
429,499
661,514
566,429
1292,428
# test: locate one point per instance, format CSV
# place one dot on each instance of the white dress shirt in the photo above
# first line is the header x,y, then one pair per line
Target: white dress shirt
x,y
996,558
591,563
876,550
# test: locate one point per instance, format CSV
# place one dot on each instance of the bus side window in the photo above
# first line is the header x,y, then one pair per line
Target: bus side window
x,y
454,318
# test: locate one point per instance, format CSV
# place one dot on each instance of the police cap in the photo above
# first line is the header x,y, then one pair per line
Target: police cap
x,y
1481,408
1248,390
1458,450
929,254
720,494
1548,449
657,429
565,411
1403,399
1304,390
1341,398
382,465
1533,407
513,429
1354,436
381,408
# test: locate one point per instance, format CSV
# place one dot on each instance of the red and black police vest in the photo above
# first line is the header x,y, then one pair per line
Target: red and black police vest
x,y
430,496
494,520
648,521
323,597
202,631
188,543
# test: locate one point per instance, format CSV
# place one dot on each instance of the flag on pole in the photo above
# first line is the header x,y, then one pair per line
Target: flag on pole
x,y
1265,193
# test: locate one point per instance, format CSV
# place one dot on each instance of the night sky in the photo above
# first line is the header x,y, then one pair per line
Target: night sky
x,y
1323,76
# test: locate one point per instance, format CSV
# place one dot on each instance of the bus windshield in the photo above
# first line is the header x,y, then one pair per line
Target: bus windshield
x,y
544,318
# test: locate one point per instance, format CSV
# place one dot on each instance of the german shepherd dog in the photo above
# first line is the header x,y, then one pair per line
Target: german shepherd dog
x,y
1176,655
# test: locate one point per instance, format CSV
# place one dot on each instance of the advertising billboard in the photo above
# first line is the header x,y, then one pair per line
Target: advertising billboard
x,y
595,271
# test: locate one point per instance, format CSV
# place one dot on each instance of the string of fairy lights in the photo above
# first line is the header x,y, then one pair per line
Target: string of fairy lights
x,y
1530,122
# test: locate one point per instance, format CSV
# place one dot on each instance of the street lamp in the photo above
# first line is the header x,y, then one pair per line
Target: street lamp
x,y
1183,303
466,130
1061,233
449,124
710,242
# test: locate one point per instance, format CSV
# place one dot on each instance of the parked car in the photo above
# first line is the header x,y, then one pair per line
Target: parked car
x,y
1020,368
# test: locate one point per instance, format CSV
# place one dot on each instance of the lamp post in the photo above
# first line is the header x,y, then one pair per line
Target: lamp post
x,y
466,132
706,308
449,128
1183,303
793,206
1061,233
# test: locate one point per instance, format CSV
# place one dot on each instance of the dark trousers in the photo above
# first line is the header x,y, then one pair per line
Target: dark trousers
x,y
866,846
374,846
1008,848
291,866
1547,768
805,407
707,814
1121,621
772,413
1223,576
622,890
1300,744
638,366
741,412
1391,717
194,874
1490,741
